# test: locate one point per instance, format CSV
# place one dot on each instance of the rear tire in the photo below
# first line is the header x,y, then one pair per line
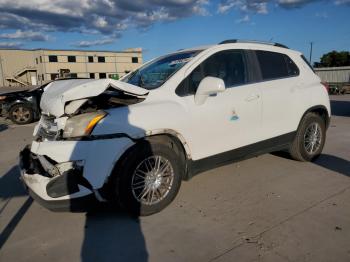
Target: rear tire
x,y
310,138
140,186
21,114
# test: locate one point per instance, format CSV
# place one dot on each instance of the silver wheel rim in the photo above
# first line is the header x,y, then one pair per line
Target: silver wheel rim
x,y
152,180
312,138
21,114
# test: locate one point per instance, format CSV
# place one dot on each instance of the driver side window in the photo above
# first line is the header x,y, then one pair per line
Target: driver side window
x,y
229,65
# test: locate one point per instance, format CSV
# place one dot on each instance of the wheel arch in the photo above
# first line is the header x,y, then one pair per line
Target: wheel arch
x,y
157,136
320,110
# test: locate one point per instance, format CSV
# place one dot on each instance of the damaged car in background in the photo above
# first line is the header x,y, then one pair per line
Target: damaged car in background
x,y
132,142
21,107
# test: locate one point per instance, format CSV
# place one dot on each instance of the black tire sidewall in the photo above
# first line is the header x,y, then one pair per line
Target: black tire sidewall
x,y
126,170
310,119
14,107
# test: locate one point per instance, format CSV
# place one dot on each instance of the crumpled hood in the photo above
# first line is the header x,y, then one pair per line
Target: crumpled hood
x,y
58,93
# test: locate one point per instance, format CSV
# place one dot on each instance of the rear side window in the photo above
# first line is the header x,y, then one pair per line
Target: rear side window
x,y
227,65
275,65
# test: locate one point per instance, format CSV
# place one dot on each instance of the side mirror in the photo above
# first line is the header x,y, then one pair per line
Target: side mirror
x,y
208,86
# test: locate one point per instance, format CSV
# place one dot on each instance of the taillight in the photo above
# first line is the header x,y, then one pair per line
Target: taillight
x,y
325,86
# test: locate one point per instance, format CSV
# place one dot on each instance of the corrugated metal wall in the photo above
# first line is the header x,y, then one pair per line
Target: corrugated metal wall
x,y
334,74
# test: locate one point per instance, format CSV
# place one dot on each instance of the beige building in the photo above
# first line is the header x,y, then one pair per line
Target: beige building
x,y
35,67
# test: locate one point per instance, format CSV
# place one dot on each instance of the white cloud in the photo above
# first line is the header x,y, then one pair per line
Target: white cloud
x,y
294,3
25,35
112,17
10,44
244,19
98,42
342,2
322,15
100,22
105,16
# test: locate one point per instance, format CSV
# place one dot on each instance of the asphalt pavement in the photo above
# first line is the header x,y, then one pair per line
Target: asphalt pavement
x,y
268,208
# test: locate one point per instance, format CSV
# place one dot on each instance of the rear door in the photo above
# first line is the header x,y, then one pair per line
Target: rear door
x,y
279,84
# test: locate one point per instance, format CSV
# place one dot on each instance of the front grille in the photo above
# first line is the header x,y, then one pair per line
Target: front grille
x,y
47,128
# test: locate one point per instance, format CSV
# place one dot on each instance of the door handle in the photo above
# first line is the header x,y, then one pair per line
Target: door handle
x,y
252,97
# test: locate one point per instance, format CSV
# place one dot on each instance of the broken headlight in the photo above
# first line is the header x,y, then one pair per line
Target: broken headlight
x,y
82,125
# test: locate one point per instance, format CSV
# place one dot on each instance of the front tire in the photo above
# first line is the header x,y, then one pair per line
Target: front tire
x,y
148,178
21,114
310,138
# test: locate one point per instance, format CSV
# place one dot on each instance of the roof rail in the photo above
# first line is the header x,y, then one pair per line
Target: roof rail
x,y
230,41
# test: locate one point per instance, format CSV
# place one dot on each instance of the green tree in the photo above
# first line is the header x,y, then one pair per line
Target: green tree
x,y
334,59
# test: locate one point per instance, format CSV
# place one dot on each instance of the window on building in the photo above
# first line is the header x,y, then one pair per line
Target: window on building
x,y
134,60
101,59
276,65
42,77
54,76
53,58
73,75
71,59
102,75
36,60
91,59
41,60
127,71
92,75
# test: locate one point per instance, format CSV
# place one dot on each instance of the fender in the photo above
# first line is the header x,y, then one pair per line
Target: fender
x,y
172,133
322,110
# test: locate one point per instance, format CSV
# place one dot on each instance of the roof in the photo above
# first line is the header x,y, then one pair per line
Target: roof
x,y
129,50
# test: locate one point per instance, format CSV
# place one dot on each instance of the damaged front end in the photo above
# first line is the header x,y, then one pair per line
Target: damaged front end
x,y
61,165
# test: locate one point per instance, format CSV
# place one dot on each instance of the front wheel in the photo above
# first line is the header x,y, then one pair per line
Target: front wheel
x,y
21,114
148,178
310,138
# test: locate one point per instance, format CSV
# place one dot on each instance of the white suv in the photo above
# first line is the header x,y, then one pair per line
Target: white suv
x,y
133,141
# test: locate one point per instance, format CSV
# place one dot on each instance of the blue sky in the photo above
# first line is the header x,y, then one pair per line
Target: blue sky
x,y
163,26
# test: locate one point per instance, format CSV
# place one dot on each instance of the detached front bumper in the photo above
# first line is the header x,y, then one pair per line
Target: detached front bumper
x,y
61,193
67,175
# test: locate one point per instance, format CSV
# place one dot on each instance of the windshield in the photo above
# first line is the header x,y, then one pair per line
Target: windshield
x,y
153,75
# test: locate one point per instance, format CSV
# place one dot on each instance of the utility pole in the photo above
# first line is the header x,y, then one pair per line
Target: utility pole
x,y
2,72
311,44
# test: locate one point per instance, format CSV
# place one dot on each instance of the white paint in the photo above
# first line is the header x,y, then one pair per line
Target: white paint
x,y
208,86
206,124
58,93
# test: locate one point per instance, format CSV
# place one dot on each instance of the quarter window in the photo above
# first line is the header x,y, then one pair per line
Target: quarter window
x,y
275,65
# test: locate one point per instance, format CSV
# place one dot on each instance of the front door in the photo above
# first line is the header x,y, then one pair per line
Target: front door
x,y
227,120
